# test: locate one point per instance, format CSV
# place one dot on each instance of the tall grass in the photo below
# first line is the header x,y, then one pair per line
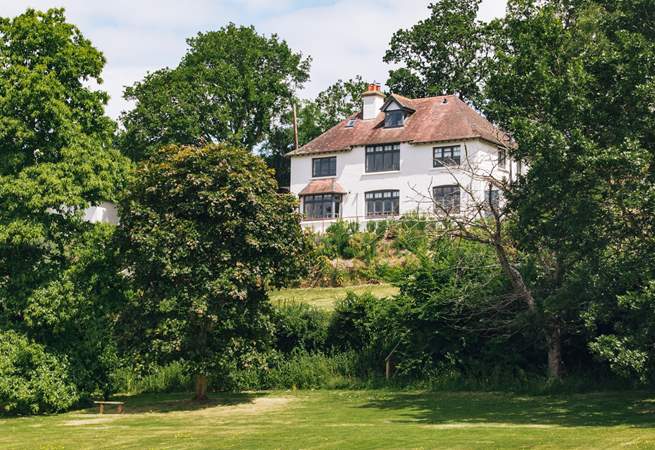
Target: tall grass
x,y
169,378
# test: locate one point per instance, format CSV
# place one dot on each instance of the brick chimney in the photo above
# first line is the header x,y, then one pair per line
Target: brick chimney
x,y
372,101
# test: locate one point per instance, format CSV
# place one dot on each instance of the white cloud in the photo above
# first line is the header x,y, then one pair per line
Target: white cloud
x,y
344,37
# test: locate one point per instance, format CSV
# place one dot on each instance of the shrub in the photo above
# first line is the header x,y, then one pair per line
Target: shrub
x,y
32,381
364,245
352,322
336,243
299,326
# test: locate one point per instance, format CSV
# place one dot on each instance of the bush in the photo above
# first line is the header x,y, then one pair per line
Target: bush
x,y
351,326
299,326
32,381
412,233
336,243
364,245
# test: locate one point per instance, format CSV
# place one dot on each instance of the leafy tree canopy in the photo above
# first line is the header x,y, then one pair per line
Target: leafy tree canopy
x,y
204,235
442,54
231,86
572,81
55,160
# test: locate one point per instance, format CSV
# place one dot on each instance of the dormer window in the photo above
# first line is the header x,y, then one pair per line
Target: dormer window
x,y
395,118
396,111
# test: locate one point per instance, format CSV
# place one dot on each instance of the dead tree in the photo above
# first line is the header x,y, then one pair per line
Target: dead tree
x,y
479,213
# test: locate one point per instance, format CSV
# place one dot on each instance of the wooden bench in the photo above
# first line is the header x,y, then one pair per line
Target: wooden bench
x,y
119,406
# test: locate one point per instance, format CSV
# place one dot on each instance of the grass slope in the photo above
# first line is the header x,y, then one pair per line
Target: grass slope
x,y
325,298
349,419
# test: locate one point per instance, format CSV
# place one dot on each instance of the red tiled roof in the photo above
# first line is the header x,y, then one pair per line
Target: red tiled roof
x,y
436,119
325,186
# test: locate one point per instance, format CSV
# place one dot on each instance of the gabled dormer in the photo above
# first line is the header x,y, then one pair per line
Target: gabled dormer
x,y
395,112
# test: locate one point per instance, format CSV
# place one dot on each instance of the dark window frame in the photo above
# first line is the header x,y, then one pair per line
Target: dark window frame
x,y
502,158
445,156
492,198
320,202
330,161
382,158
382,203
442,194
388,115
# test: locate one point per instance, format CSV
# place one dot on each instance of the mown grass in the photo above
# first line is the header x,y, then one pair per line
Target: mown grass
x,y
349,419
325,298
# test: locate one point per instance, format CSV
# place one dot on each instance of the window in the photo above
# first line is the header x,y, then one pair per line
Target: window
x,y
446,199
502,158
393,119
382,158
519,167
324,167
382,203
492,198
446,156
321,206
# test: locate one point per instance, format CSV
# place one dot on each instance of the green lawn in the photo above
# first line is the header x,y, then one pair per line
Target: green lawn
x,y
349,419
325,298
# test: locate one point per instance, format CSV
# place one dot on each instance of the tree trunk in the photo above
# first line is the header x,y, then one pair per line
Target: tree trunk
x,y
555,353
516,279
201,388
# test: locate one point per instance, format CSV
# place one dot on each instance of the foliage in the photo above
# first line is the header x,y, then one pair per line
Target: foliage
x,y
31,379
299,326
58,281
628,346
353,321
338,102
412,233
443,54
585,208
173,377
231,86
336,241
46,106
300,370
208,225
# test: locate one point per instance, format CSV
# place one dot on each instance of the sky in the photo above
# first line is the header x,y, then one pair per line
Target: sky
x,y
343,37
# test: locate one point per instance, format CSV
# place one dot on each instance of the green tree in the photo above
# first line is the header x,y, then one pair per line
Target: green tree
x,y
339,101
443,54
572,82
56,279
231,86
204,236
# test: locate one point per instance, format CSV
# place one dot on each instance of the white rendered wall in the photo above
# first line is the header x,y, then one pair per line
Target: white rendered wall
x,y
371,104
414,180
106,212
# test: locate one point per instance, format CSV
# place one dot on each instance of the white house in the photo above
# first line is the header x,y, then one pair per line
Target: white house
x,y
398,155
105,212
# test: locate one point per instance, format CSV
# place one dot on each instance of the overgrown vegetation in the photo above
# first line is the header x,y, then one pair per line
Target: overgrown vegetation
x,y
345,255
561,290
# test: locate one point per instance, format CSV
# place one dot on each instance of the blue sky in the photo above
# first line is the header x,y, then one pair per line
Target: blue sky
x,y
343,37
